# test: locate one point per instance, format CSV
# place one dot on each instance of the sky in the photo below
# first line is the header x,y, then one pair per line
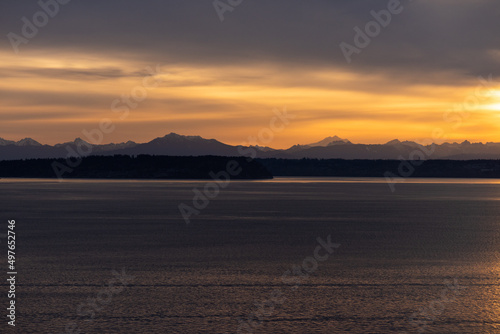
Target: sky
x,y
368,71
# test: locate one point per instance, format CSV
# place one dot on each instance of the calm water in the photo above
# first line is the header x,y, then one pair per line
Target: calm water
x,y
424,259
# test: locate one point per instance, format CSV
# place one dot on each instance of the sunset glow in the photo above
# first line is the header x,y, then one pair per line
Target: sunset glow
x,y
250,166
51,92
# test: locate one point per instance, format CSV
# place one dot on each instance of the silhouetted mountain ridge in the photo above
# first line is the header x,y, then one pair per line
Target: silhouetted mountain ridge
x,y
173,144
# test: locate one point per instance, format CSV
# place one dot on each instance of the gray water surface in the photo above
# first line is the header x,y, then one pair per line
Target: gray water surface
x,y
424,259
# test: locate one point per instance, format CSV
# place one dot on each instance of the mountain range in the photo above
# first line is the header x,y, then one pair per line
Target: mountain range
x,y
178,145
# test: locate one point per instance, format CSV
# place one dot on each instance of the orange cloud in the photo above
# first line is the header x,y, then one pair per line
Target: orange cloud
x,y
53,97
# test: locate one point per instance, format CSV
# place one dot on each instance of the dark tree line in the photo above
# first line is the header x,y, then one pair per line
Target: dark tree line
x,y
378,168
139,167
175,167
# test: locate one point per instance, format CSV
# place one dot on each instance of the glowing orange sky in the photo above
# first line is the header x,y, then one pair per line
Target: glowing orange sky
x,y
223,79
52,98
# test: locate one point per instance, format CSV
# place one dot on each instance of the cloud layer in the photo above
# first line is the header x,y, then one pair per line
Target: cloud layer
x,y
265,54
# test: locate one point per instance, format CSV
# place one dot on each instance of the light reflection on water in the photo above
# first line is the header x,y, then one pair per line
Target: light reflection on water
x,y
397,250
277,179
380,180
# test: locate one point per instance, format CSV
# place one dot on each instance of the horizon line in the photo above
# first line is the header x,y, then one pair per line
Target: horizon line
x,y
248,145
